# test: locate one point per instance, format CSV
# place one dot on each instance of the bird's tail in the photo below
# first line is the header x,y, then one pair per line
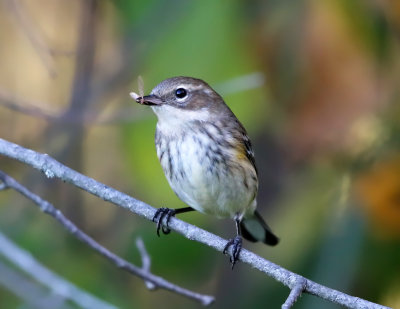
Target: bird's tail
x,y
255,229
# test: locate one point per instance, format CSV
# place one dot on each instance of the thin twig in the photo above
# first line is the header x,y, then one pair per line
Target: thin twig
x,y
241,83
33,294
32,109
30,30
295,293
146,261
52,168
58,285
29,108
25,107
49,209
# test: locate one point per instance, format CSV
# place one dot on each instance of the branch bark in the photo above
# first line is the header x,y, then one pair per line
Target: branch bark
x,y
43,275
52,168
146,261
295,293
59,287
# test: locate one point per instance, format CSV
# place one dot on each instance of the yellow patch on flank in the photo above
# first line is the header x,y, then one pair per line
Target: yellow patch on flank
x,y
240,151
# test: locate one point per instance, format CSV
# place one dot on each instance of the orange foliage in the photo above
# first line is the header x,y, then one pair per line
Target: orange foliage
x,y
378,190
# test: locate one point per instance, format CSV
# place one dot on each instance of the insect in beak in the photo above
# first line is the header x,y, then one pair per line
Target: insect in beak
x,y
147,99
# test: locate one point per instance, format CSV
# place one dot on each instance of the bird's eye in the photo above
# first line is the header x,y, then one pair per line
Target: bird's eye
x,y
180,93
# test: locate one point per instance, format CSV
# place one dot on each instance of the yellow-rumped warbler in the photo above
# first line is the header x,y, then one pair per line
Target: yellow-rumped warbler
x,y
207,158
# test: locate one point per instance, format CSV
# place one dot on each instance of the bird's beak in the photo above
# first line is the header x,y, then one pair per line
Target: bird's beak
x,y
149,100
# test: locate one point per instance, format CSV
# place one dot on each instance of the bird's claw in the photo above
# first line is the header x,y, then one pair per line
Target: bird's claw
x,y
159,216
236,244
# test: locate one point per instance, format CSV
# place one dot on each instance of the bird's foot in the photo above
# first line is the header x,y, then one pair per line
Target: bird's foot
x,y
159,216
236,244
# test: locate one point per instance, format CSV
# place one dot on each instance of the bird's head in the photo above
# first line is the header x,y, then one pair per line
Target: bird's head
x,y
184,98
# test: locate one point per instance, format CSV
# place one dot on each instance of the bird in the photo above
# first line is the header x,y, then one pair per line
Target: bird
x,y
207,158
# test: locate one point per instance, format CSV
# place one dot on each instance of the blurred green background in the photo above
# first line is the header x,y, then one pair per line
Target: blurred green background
x,y
314,82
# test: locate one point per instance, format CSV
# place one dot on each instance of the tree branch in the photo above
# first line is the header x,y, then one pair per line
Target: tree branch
x,y
53,168
295,293
32,294
49,209
145,261
56,284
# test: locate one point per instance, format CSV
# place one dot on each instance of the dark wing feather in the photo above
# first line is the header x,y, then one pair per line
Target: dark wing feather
x,y
249,151
248,148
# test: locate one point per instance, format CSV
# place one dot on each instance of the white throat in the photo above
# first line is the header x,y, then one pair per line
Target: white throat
x,y
172,120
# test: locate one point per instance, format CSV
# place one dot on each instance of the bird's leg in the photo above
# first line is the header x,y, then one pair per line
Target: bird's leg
x,y
236,242
167,213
